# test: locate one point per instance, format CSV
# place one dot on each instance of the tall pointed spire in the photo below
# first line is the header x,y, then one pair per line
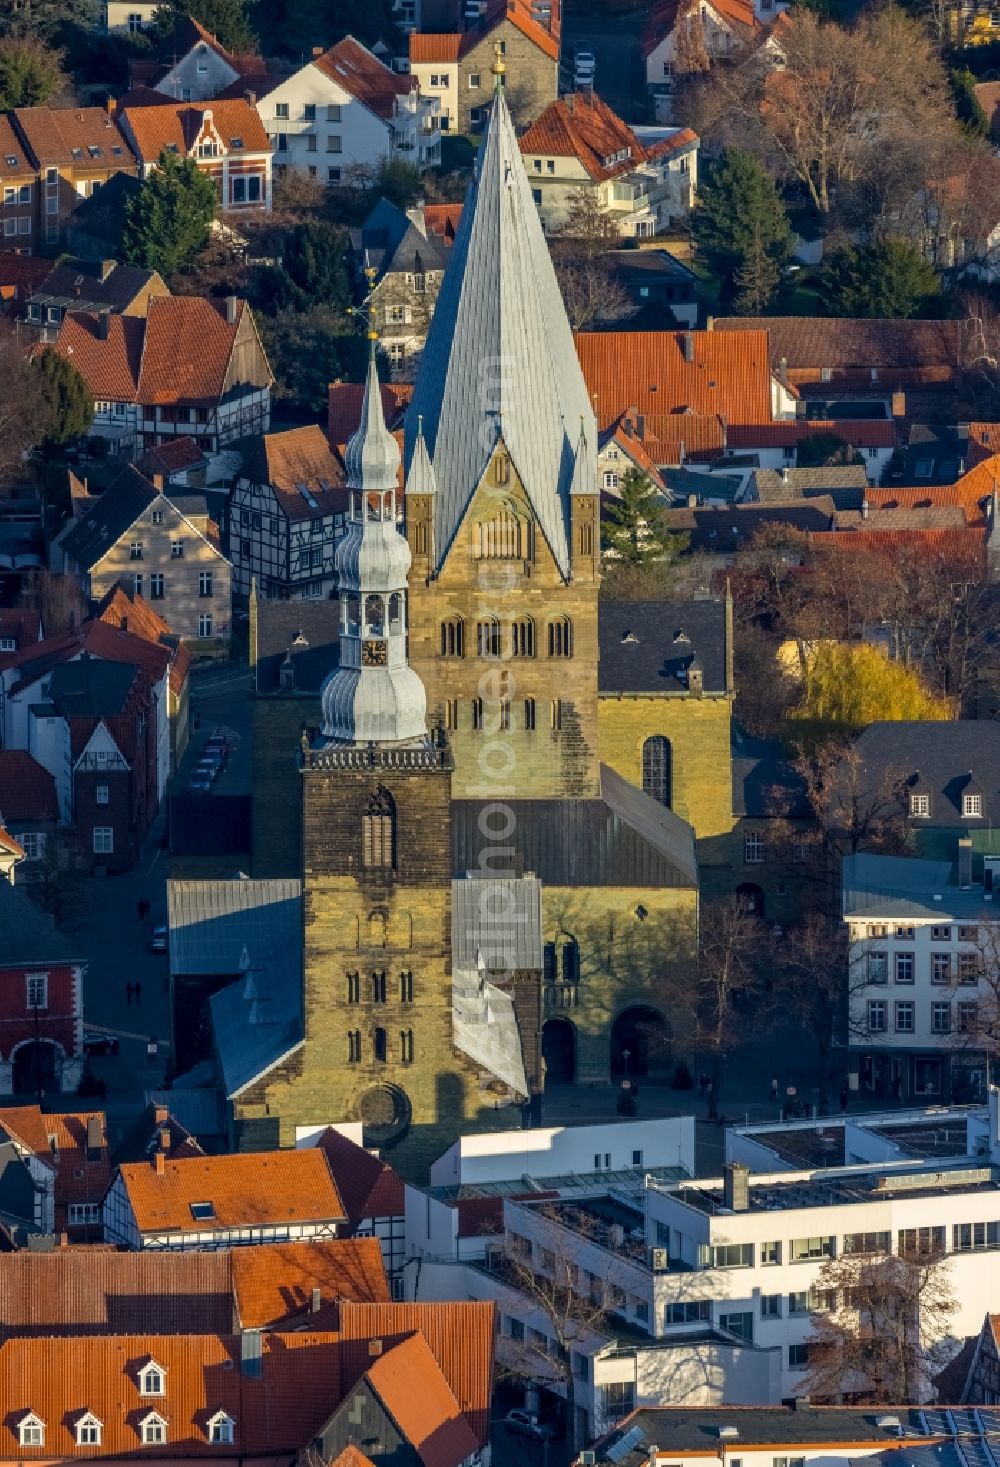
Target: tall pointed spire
x,y
499,358
374,696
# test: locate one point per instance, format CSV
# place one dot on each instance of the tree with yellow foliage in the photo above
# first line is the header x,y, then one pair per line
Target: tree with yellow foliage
x,y
847,685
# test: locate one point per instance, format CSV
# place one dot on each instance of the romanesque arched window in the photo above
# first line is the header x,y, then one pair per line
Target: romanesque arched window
x,y
453,637
560,632
571,961
656,769
378,830
505,536
488,637
522,637
380,1046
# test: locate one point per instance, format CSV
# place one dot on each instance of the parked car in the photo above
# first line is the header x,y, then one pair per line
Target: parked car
x,y
158,940
206,767
199,784
98,1041
523,1423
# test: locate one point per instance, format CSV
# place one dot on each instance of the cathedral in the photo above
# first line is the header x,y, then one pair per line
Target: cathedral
x,y
484,900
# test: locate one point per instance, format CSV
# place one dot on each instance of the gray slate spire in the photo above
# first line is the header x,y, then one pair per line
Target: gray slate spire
x,y
500,359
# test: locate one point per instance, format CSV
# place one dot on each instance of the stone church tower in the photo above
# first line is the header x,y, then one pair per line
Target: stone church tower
x,y
502,505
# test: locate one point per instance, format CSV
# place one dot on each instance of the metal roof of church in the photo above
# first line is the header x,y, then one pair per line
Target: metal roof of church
x,y
499,359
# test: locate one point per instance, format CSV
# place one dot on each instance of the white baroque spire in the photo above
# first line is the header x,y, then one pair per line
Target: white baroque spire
x,y
374,696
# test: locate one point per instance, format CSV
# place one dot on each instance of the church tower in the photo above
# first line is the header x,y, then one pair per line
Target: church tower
x,y
501,502
377,862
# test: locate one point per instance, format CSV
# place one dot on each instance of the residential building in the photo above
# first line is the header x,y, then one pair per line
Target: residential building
x,y
373,1197
74,152
226,139
130,16
846,484
94,228
619,450
662,288
91,286
101,1292
346,110
122,608
179,461
408,261
579,148
871,357
41,996
921,965
166,547
191,65
775,445
19,628
20,183
191,366
801,1432
72,1157
712,30
982,1386
29,811
285,514
457,67
11,853
222,1201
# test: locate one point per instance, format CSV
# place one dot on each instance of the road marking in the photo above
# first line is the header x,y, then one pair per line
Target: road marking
x,y
128,1034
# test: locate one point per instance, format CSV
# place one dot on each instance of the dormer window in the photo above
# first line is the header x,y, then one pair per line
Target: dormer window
x,y
88,1431
972,807
920,806
31,1431
220,1429
153,1430
152,1379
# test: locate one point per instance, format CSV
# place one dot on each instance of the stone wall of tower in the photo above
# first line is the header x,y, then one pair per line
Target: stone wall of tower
x,y
363,921
559,756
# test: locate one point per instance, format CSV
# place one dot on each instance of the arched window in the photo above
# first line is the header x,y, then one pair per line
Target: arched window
x,y
378,929
406,1046
478,715
501,469
375,615
549,962
395,611
354,987
571,961
522,637
378,830
488,637
656,772
378,986
406,986
353,1046
529,714
379,1046
453,637
560,637
504,537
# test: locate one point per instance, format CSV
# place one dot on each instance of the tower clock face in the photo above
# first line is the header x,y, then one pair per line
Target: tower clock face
x,y
373,652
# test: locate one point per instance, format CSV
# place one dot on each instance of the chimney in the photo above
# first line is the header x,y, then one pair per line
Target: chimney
x,y
103,325
317,51
899,404
692,501
688,347
160,1115
317,1299
231,304
865,509
250,1353
158,1166
95,1138
164,1140
109,105
158,482
736,1187
965,862
696,676
251,98
570,100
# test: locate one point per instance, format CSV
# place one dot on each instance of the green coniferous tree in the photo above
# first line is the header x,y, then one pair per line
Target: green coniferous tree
x,y
739,216
168,220
633,528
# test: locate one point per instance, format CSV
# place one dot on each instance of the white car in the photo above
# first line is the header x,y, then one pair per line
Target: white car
x,y
525,1423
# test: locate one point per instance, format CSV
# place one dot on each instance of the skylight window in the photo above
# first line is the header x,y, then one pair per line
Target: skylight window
x,y
116,150
94,150
202,1211
11,160
77,152
236,142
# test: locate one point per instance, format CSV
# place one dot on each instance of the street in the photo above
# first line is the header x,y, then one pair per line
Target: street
x,y
614,39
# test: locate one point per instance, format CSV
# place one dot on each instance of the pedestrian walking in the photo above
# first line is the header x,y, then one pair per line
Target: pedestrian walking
x,y
129,990
774,1087
843,1101
138,994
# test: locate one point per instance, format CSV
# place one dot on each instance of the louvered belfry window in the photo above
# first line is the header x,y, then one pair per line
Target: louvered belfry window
x,y
378,829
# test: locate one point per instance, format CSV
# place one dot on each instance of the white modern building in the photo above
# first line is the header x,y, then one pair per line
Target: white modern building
x,y
922,936
344,111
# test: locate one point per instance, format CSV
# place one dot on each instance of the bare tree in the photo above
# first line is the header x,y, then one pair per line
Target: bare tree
x,y
883,1333
24,413
976,985
729,993
815,980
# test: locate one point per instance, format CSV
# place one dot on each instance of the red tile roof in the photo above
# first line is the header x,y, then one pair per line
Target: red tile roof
x,y
10,845
60,1140
368,1187
435,47
842,343
585,128
460,1337
352,1457
984,438
263,1187
364,76
27,791
277,1409
178,126
109,365
19,624
968,544
300,456
171,457
858,432
53,132
274,1282
20,171
344,407
19,274
729,373
442,219
122,607
408,1381
520,15
665,14
966,498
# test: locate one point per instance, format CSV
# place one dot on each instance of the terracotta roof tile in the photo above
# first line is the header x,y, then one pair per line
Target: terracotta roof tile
x,y
585,128
351,1457
109,365
520,15
274,1282
20,170
171,457
60,1140
19,624
53,132
841,342
859,432
278,1409
122,606
664,16
10,845
460,1337
368,1186
27,790
442,219
19,274
408,1381
253,1187
435,47
344,407
364,76
187,348
965,499
729,373
967,544
178,126
300,456
984,438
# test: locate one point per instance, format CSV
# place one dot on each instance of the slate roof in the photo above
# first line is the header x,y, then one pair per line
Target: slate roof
x,y
777,485
765,782
412,1388
147,1134
309,630
392,241
498,919
91,687
89,539
624,838
894,517
367,1185
500,303
847,342
27,934
728,374
299,456
367,79
27,789
260,1187
894,886
725,528
941,755
246,1047
82,282
646,646
220,927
